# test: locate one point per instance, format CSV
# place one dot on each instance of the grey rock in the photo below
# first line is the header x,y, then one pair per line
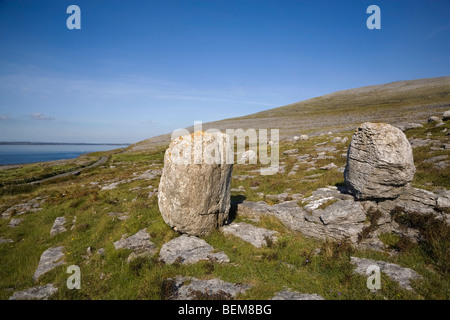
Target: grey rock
x,y
439,124
31,206
243,177
441,165
279,197
139,242
119,215
343,211
416,142
6,241
291,151
303,137
329,166
435,159
434,119
189,249
50,259
443,199
15,222
249,156
446,115
331,149
292,295
256,236
380,162
58,226
195,198
409,126
188,288
336,140
36,293
303,158
397,273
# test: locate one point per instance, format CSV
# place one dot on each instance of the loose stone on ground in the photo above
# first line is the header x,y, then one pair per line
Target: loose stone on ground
x,y
189,249
50,259
402,275
188,288
258,237
36,293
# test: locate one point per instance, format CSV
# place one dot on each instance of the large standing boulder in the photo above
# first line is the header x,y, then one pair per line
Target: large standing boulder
x,y
194,191
379,162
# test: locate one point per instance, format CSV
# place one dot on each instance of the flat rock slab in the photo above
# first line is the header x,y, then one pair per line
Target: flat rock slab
x,y
119,215
58,226
31,206
36,293
247,232
397,273
189,249
6,241
139,243
187,288
50,259
343,211
292,295
15,222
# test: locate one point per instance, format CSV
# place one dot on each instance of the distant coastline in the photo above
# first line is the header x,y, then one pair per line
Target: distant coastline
x,y
19,143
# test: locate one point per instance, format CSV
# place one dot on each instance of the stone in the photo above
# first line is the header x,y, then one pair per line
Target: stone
x,y
446,115
195,198
443,200
31,206
397,273
336,140
256,236
409,126
303,137
249,156
140,244
6,241
343,211
379,163
58,226
50,259
292,295
15,222
189,249
36,293
435,159
290,151
329,166
434,119
416,142
296,138
119,215
441,165
188,288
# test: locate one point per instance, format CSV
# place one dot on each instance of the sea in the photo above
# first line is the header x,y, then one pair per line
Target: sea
x,y
31,153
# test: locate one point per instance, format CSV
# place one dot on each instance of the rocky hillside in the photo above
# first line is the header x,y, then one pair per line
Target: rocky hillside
x,y
394,103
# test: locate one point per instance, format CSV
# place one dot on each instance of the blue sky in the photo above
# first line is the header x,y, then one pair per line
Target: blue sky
x,y
137,69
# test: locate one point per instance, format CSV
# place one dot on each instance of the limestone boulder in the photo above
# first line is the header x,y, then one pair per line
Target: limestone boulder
x,y
379,163
194,190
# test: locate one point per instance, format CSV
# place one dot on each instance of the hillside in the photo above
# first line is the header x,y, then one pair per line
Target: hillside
x,y
393,103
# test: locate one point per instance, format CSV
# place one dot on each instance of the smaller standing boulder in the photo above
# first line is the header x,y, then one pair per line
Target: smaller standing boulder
x,y
379,163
